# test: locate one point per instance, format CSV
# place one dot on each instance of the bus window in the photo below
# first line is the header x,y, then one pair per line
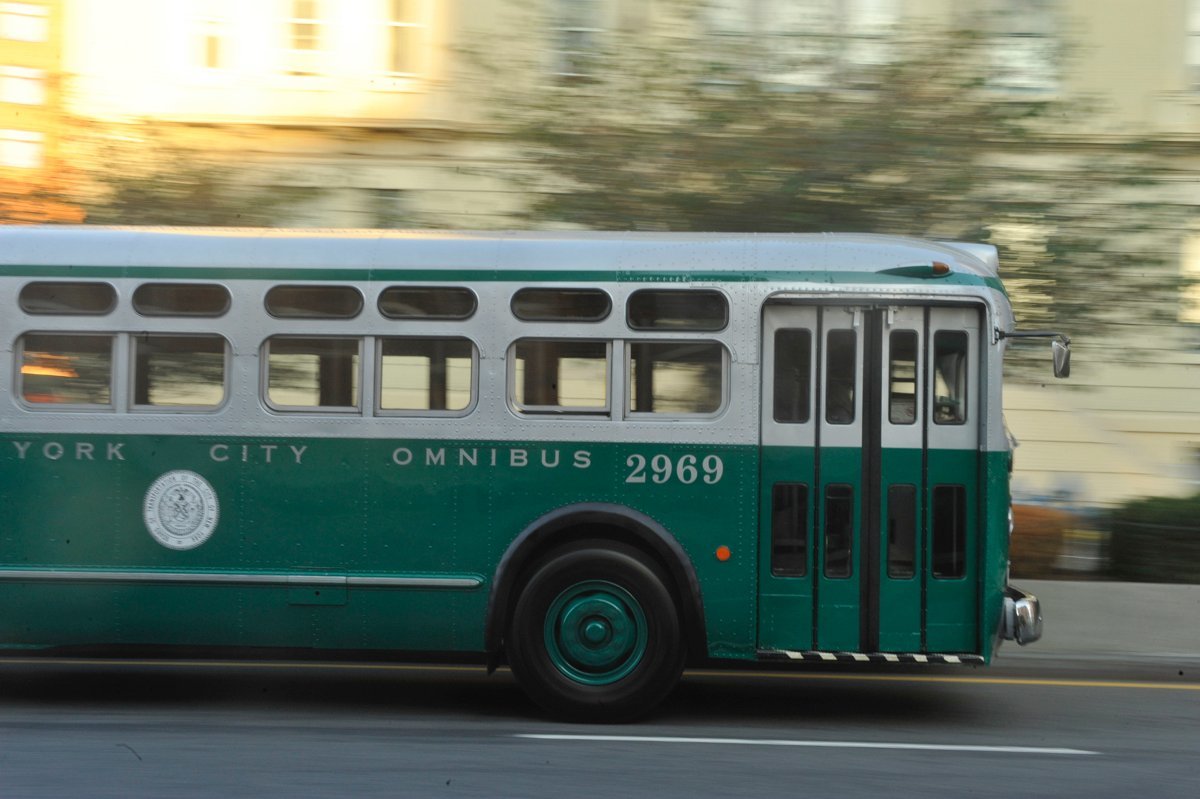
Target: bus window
x,y
677,309
902,378
840,374
314,302
181,299
427,302
950,377
560,375
179,371
561,305
901,531
307,373
68,299
789,529
676,377
839,529
949,531
425,374
793,376
67,369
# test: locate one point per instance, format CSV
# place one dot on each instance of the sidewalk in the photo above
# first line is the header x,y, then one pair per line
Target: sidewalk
x,y
1112,619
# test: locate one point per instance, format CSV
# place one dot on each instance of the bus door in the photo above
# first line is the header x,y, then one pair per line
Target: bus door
x,y
869,489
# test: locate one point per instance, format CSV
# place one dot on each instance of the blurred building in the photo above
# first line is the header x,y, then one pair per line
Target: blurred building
x,y
33,178
381,107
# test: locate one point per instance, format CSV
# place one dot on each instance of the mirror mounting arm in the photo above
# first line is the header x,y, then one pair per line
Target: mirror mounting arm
x,y
1060,346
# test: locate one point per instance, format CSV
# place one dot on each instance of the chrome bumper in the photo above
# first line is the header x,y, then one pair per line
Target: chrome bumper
x,y
1022,620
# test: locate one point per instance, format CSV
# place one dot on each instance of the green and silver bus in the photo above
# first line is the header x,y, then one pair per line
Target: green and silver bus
x,y
596,457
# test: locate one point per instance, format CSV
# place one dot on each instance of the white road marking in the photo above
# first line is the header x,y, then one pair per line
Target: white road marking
x,y
1024,750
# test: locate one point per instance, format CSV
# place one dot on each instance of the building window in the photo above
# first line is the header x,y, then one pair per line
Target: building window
x,y
407,37
1193,43
805,42
21,149
304,28
24,22
1189,301
212,36
22,85
578,31
1024,45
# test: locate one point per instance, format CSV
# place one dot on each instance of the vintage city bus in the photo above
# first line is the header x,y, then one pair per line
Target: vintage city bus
x,y
593,457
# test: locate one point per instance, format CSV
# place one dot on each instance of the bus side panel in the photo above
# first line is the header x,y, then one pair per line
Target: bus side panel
x,y
333,508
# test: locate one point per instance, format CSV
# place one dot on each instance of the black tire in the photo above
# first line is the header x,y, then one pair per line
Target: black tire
x,y
595,634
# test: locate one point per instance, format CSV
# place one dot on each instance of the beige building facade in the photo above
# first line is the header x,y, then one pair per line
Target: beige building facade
x,y
382,105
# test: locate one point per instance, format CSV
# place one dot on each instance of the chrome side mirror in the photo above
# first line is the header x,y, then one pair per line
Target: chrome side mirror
x,y
1062,357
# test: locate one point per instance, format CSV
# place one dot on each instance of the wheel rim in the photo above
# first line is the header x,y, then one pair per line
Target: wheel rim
x,y
595,632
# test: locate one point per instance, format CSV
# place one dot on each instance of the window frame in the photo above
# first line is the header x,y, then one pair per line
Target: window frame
x,y
115,298
315,287
556,411
462,289
131,378
686,330
264,378
133,301
19,375
472,404
562,290
627,404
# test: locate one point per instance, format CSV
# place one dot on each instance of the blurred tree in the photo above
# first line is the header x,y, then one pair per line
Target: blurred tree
x,y
45,199
145,176
671,132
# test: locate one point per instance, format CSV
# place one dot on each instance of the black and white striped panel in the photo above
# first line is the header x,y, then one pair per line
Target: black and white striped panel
x,y
870,657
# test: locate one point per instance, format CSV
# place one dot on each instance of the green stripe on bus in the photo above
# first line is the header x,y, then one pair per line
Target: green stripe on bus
x,y
467,275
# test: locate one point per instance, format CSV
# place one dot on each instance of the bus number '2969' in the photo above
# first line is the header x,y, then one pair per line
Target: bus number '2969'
x,y
687,470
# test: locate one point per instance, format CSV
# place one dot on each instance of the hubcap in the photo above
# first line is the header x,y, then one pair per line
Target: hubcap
x,y
595,632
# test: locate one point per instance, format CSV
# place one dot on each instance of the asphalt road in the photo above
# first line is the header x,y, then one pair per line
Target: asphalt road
x,y
1028,727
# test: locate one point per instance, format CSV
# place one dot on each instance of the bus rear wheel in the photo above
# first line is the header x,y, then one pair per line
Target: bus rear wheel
x,y
595,635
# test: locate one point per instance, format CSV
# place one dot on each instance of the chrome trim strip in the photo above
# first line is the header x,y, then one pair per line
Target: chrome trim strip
x,y
233,578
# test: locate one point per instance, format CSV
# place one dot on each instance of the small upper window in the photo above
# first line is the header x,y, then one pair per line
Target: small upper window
x,y
314,302
678,309
561,305
427,302
75,299
181,299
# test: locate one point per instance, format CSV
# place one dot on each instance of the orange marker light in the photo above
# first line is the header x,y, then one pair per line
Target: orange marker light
x,y
723,553
940,268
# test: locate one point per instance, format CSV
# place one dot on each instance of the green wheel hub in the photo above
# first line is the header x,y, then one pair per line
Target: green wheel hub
x,y
595,632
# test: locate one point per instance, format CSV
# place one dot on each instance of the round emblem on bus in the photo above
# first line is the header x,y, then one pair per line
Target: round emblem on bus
x,y
180,510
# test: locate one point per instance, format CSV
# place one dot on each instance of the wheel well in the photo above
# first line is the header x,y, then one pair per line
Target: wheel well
x,y
600,522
